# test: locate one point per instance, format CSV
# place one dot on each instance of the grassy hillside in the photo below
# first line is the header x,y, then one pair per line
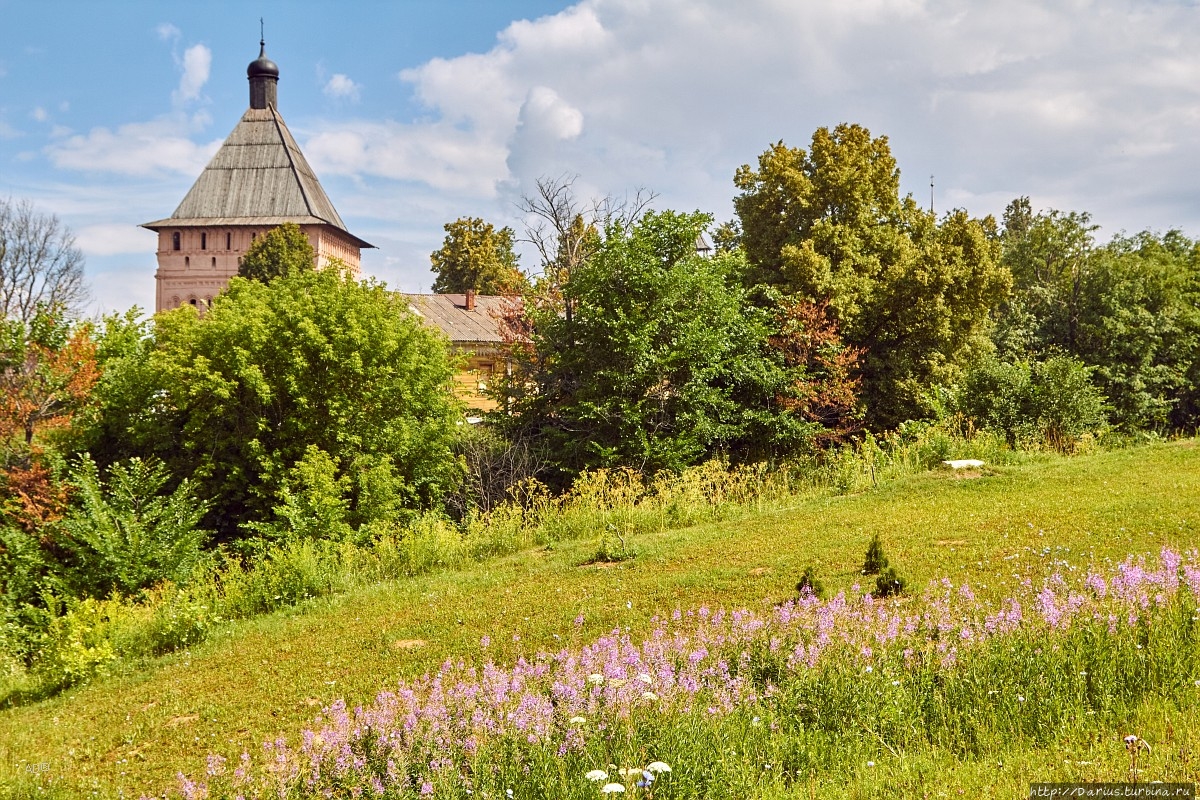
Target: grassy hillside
x,y
269,677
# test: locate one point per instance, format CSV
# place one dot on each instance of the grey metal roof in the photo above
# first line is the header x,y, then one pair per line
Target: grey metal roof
x,y
448,313
258,177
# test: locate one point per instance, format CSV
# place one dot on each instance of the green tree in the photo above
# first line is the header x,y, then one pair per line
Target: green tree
x,y
663,363
1049,256
1130,309
235,400
476,256
281,251
829,226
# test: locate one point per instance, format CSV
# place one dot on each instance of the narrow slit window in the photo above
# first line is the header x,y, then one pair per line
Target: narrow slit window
x,y
203,241
229,241
187,261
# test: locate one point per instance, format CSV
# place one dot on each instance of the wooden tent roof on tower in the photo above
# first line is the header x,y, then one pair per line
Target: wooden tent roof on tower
x,y
257,181
258,177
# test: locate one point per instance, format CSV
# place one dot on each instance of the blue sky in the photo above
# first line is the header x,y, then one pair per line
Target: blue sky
x,y
416,113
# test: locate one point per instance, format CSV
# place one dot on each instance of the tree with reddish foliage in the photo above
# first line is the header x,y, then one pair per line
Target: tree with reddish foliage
x,y
826,387
47,370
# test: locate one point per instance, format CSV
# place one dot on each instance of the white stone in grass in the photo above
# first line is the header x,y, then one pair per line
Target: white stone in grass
x,y
963,463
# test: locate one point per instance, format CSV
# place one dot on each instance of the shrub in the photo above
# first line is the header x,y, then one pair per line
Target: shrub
x,y
77,644
613,547
1065,401
1051,402
875,560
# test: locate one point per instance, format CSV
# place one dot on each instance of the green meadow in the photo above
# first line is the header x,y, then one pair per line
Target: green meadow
x,y
265,677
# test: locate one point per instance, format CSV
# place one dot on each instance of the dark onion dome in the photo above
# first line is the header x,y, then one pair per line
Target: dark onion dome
x,y
262,66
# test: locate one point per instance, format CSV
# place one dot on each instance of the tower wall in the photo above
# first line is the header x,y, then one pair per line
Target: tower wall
x,y
207,257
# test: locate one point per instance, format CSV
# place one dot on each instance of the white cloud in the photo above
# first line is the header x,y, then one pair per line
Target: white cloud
x,y
1093,103
39,114
108,239
342,87
196,63
440,155
137,148
167,32
8,131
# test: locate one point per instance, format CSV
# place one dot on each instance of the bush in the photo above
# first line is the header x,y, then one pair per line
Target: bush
x,y
613,547
77,644
875,560
1051,403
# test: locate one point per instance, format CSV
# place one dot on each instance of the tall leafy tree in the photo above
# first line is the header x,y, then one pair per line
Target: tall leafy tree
x,y
238,398
664,362
1128,309
476,256
280,251
828,225
1049,255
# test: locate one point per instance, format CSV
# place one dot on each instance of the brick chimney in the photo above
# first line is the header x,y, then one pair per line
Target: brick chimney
x,y
470,299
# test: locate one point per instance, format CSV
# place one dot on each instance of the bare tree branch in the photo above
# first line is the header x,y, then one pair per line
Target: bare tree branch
x,y
564,231
39,263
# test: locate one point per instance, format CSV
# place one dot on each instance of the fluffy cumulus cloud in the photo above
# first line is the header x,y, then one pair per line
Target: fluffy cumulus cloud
x,y
341,87
1088,104
109,239
196,63
162,146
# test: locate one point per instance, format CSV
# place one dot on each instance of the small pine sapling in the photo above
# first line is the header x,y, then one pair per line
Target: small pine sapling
x,y
889,583
809,585
875,561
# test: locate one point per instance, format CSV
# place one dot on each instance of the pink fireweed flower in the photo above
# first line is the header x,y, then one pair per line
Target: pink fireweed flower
x,y
699,660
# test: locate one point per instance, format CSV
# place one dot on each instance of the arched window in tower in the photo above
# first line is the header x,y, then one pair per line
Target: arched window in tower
x,y
203,240
187,261
175,240
214,261
228,241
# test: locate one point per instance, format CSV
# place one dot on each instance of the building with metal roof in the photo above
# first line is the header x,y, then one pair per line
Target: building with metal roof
x,y
475,326
257,181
